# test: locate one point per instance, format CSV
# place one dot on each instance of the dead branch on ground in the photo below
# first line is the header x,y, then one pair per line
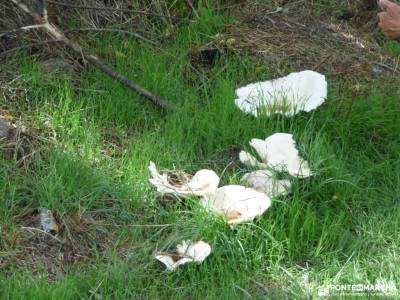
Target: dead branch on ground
x,y
57,35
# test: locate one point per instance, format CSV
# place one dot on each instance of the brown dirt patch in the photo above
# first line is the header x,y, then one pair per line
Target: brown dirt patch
x,y
292,35
30,248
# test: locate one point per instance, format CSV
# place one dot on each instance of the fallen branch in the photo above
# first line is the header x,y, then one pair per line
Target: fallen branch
x,y
58,35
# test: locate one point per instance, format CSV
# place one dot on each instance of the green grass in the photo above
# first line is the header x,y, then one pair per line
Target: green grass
x,y
96,141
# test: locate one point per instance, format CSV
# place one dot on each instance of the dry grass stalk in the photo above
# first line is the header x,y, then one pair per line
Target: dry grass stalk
x,y
304,41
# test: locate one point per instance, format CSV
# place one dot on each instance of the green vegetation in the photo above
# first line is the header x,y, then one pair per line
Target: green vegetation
x,y
95,140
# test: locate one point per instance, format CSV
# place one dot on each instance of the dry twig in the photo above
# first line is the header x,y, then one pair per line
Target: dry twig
x,y
58,35
42,231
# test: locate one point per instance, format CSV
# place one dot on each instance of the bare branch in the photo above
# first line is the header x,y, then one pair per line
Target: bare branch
x,y
58,35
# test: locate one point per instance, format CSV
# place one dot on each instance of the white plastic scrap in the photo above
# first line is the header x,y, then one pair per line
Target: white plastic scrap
x,y
299,91
237,203
185,252
278,152
204,182
262,181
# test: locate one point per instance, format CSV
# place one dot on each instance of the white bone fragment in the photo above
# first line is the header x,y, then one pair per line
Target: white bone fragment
x,y
299,91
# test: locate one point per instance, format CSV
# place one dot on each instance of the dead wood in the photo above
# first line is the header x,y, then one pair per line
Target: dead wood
x,y
58,35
